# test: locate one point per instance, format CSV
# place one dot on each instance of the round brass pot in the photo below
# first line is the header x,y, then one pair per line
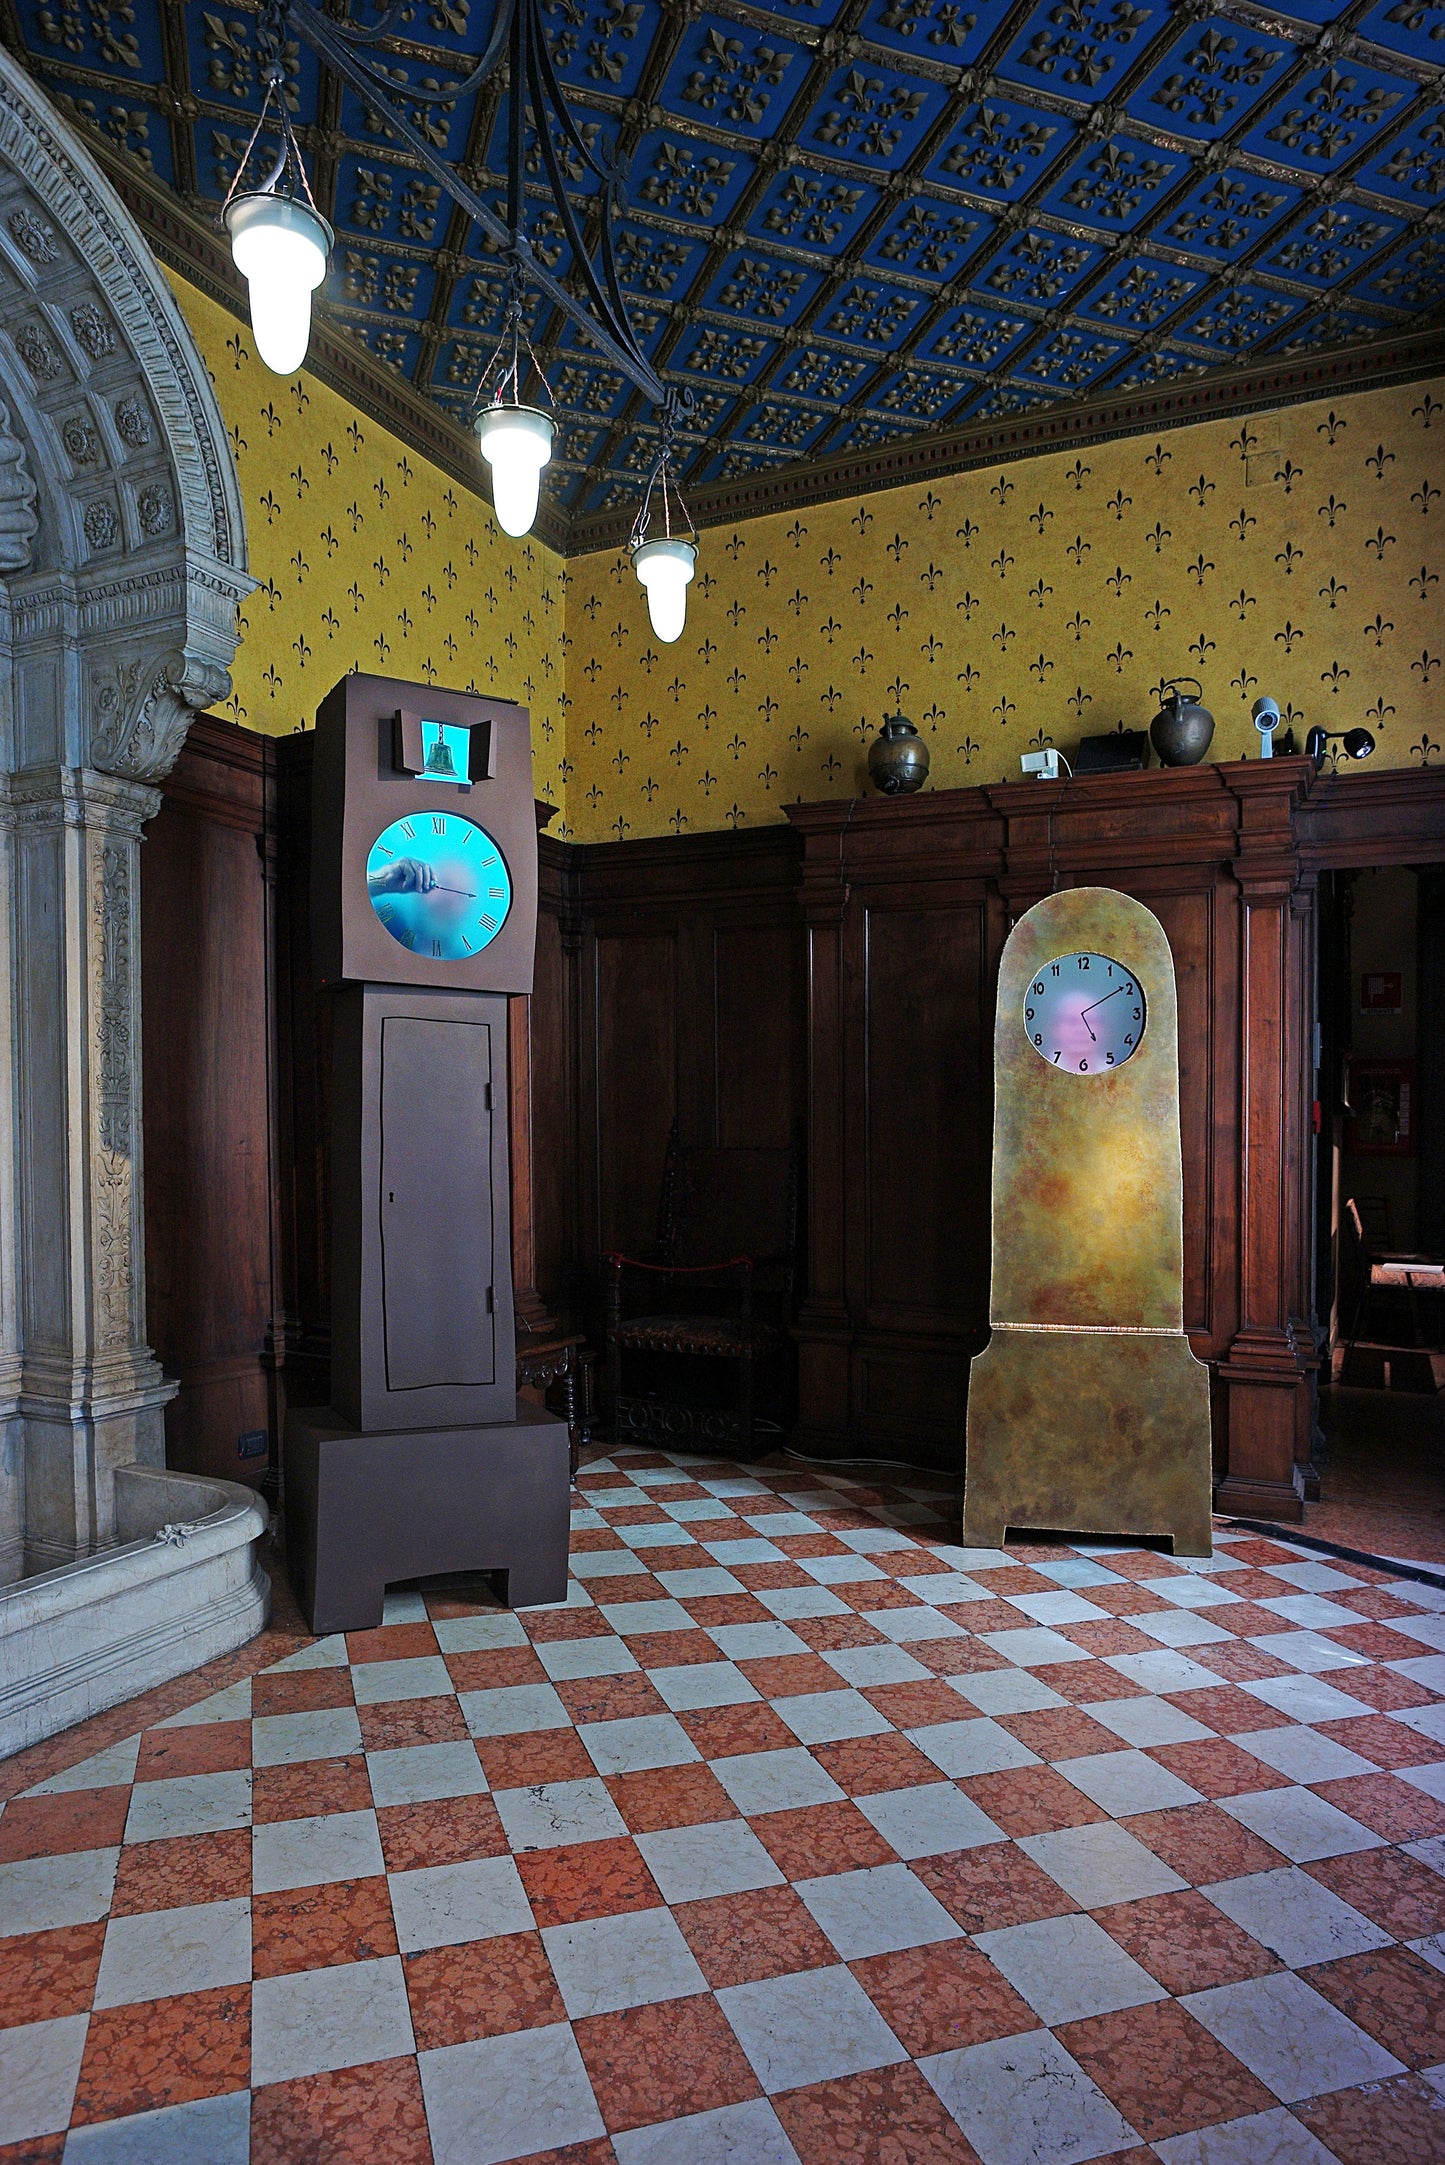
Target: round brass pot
x,y
898,758
1182,730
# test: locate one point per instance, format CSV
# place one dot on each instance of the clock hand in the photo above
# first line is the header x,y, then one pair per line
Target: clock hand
x,y
1099,1003
439,889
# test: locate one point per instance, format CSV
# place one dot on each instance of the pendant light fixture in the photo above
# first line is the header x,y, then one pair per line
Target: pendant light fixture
x,y
664,562
281,244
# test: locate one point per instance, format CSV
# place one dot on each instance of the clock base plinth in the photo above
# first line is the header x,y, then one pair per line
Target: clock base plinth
x,y
365,1511
1093,1432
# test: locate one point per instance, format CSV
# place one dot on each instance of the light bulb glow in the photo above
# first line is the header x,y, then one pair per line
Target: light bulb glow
x,y
281,249
516,442
665,567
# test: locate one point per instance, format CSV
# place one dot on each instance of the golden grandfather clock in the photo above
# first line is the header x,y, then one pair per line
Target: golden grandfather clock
x,y
1087,1411
424,917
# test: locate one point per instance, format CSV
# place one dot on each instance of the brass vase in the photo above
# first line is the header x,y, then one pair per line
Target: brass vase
x,y
898,758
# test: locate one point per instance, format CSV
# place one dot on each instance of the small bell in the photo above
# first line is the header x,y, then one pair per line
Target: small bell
x,y
439,761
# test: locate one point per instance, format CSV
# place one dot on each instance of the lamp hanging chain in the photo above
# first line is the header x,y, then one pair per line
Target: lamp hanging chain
x,y
664,482
270,30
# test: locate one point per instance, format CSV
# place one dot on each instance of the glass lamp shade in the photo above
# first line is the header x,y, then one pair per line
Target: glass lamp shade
x,y
516,442
664,567
281,249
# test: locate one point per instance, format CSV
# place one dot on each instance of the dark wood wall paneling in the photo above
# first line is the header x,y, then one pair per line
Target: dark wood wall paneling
x,y
835,975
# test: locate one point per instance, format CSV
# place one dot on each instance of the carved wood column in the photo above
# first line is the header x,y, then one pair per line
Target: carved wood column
x,y
823,1329
1262,1374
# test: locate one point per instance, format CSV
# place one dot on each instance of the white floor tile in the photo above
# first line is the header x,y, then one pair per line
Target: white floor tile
x,y
702,1683
849,1570
757,1642
1426,1669
1101,1864
688,1508
161,1952
605,1963
1429,1630
1299,1824
551,1814
417,1773
747,2134
1127,1781
1076,1571
872,1540
39,2068
234,1703
499,2098
699,1582
1164,1669
632,1618
1191,1592
1430,1779
810,2027
692,1863
967,1560
512,1710
102,1770
1307,1652
1180,1627
910,1627
1263,2138
565,1660
826,1717
866,1667
190,1804
1024,2101
1038,1648
636,1742
1007,1691
280,1740
479,1634
1311,1612
1303,1754
211,2131
404,1607
594,1564
1147,1722
1426,1721
1295,1917
669,1535
446,1905
747,1552
876,1911
1312,1576
1306,1698
781,1781
1290,2037
315,1852
40,1894
944,1589
980,1746
786,1601
317,2020
327,1653
423,1676
1068,1968
1060,1606
929,1820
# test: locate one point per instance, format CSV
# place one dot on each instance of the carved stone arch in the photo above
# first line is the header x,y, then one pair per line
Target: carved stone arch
x,y
122,565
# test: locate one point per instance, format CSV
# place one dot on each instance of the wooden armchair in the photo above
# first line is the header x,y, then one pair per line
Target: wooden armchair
x,y
697,1341
1383,1271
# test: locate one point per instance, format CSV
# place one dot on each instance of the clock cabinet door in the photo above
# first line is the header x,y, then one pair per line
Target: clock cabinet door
x,y
436,1203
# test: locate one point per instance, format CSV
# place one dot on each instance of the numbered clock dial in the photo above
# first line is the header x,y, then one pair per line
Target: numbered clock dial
x,y
1084,1013
439,884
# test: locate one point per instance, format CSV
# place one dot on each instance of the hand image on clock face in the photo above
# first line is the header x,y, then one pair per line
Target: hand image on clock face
x,y
1084,1013
439,884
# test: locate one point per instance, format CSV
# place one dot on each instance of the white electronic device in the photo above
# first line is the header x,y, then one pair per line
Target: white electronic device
x,y
1044,764
1266,721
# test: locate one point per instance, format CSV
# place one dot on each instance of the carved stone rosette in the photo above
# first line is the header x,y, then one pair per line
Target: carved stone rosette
x,y
122,565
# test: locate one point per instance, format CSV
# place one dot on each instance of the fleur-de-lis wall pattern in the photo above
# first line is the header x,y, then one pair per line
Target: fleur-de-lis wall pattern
x,y
1298,553
371,558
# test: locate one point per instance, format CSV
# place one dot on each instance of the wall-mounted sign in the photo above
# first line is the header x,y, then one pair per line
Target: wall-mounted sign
x,y
1380,991
1382,1114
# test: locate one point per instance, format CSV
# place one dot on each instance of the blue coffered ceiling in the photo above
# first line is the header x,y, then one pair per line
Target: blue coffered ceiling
x,y
850,221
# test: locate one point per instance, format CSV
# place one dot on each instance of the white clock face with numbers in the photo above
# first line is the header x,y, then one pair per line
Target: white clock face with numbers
x,y
1084,1013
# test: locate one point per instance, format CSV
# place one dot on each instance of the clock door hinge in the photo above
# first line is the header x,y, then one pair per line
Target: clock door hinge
x,y
491,1309
487,1096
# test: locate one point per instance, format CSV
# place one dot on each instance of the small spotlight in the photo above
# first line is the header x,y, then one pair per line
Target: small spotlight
x,y
1354,743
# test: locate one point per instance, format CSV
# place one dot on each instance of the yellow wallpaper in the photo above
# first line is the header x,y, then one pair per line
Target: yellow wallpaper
x,y
1296,553
370,557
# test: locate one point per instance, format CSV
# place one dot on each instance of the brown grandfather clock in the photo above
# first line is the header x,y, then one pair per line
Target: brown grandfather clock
x,y
424,917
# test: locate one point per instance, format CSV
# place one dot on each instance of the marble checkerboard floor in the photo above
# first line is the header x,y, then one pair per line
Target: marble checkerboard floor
x,y
797,1833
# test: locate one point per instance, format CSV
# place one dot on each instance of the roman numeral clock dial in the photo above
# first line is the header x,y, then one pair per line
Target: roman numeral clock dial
x,y
1084,1013
439,884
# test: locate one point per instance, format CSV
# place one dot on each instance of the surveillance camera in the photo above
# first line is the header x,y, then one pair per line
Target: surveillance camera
x,y
1266,715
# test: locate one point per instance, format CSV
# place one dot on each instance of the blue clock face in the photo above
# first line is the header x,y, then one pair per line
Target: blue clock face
x,y
439,884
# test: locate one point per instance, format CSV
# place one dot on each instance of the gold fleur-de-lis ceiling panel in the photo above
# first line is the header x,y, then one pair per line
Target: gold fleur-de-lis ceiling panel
x,y
849,225
369,557
1299,553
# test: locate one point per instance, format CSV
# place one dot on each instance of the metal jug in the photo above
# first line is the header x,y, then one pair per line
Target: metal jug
x,y
1182,729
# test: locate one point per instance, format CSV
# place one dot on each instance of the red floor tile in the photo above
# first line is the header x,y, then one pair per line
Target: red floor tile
x,y
890,2116
672,1649
863,1766
957,1657
1228,1710
1379,1602
936,1999
821,1838
587,1879
481,1989
43,2150
1125,1599
1163,2070
1141,1564
203,1747
1402,2120
1392,1993
1013,1579
1238,1662
635,1514
787,1676
992,1887
300,1691
164,2052
520,1762
1389,1691
659,1797
1031,1800
810,1544
917,1706
827,1634
1061,1732
867,1595
713,1611
1203,1844
371,2115
495,1669
1185,1942
1110,1636
45,1974
1217,1768
543,1626
186,1869
1397,1892
610,1698
391,1642
1246,1619
1384,1804
60,1825
1090,1683
397,1723
1388,1743
588,1540
313,1928
663,2061
449,1830
740,1938
309,1789
725,1732
1375,1641
982,1616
